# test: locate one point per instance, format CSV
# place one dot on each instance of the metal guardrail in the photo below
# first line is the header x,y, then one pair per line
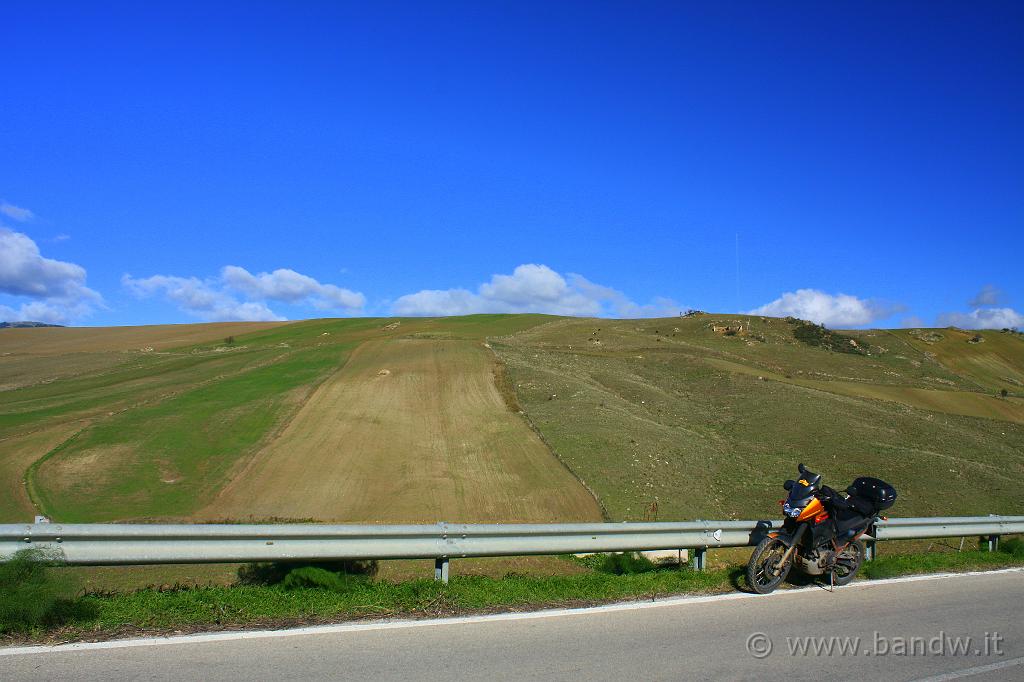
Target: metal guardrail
x,y
949,526
122,544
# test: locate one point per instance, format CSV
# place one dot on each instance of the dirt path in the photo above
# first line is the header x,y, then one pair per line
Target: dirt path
x,y
410,431
17,454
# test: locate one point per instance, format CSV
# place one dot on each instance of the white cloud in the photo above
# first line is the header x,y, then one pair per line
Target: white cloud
x,y
833,310
215,299
989,295
531,285
57,288
16,212
531,288
983,318
436,302
25,272
620,304
40,311
984,315
291,287
204,300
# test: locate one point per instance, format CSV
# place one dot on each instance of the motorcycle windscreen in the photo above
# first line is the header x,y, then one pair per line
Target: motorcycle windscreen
x,y
800,494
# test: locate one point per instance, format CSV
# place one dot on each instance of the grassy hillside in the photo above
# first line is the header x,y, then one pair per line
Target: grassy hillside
x,y
149,433
991,360
672,419
675,419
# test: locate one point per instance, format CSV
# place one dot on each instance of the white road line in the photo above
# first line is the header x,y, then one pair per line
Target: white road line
x,y
970,672
462,620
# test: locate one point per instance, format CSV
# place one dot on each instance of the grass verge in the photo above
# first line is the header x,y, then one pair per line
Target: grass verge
x,y
317,594
1011,553
307,595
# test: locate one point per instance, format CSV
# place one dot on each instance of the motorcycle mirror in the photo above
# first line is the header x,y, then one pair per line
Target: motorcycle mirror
x,y
788,485
801,468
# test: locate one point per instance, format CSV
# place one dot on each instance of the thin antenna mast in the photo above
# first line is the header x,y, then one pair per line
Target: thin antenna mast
x,y
737,272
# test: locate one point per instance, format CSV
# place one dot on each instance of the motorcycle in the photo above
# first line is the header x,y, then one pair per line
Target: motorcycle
x,y
821,532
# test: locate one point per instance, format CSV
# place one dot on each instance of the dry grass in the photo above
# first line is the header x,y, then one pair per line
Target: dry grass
x,y
708,426
966,403
995,363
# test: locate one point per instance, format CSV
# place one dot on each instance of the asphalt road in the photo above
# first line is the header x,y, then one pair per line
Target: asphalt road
x,y
675,640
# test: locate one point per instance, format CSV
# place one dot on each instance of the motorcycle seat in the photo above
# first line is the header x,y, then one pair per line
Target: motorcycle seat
x,y
851,513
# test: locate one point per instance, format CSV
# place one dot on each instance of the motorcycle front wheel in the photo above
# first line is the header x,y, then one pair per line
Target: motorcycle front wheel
x,y
765,571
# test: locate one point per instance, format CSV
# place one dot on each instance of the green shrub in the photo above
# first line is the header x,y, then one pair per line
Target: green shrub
x,y
33,595
822,337
275,572
311,576
1014,547
314,577
264,573
627,563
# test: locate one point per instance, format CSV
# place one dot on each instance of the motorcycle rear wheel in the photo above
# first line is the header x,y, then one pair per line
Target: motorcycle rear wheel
x,y
765,571
848,563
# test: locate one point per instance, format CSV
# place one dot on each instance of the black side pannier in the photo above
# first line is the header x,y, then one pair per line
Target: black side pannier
x,y
880,494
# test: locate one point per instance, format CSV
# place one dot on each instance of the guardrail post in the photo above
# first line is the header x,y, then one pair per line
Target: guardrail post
x,y
441,569
869,550
993,542
700,558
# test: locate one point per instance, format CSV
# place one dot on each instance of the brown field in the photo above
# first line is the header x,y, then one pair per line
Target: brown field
x,y
408,431
20,370
62,340
43,355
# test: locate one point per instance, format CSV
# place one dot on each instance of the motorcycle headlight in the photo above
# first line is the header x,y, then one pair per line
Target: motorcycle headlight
x,y
791,511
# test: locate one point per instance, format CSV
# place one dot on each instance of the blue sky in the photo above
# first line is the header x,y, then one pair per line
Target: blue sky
x,y
854,163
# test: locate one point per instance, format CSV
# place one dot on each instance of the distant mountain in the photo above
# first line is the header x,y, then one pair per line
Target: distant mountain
x,y
26,323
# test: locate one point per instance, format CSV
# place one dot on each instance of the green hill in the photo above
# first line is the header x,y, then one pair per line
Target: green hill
x,y
676,418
